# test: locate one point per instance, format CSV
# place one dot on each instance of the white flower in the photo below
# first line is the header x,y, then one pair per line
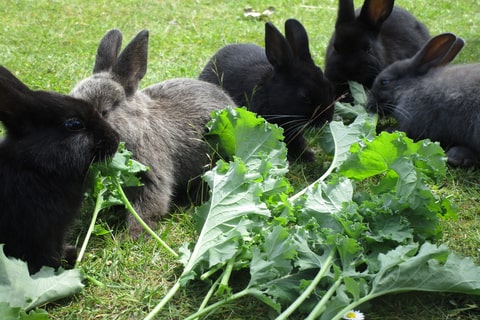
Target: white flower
x,y
353,315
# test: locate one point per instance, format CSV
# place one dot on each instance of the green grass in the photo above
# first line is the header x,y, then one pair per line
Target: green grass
x,y
51,45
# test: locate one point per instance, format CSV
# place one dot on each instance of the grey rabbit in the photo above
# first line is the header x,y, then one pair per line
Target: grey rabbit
x,y
367,40
51,140
431,99
280,82
162,124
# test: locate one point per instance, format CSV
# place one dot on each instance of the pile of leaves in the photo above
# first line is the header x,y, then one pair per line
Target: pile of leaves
x,y
366,228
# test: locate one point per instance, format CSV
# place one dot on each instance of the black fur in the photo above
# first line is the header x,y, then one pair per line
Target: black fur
x,y
368,40
51,141
280,83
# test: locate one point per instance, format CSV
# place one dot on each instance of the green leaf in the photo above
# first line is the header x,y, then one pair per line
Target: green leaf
x,y
358,93
19,289
341,137
241,133
328,197
428,268
17,313
226,217
273,258
394,151
99,230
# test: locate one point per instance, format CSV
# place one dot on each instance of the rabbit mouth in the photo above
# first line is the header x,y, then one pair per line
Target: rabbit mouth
x,y
105,148
295,125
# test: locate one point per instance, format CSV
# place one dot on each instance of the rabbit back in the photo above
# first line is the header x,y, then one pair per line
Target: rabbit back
x,y
185,105
442,106
247,60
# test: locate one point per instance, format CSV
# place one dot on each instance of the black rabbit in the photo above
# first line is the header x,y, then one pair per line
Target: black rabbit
x,y
430,99
368,40
50,142
280,83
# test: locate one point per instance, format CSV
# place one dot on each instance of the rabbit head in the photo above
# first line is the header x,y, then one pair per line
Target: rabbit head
x,y
393,82
116,75
369,39
46,130
50,142
297,87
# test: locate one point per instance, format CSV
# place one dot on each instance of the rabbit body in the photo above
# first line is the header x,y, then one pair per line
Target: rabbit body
x,y
431,100
369,39
280,83
162,124
51,141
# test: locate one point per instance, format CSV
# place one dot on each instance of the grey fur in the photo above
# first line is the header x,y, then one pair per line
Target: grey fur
x,y
162,124
432,100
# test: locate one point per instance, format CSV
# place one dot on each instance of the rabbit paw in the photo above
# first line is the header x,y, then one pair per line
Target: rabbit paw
x,y
459,156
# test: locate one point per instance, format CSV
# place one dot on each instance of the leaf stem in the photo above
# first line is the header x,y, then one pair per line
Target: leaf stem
x,y
94,281
321,305
96,210
228,272
130,208
163,302
311,287
211,271
216,305
209,295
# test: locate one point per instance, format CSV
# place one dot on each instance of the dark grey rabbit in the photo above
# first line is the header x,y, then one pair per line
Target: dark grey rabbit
x,y
162,124
367,40
280,83
51,140
432,100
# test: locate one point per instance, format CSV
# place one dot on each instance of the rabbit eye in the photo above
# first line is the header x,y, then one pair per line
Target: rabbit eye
x,y
116,103
385,82
74,124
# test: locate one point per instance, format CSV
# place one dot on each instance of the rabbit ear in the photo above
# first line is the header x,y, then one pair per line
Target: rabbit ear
x,y
452,53
298,39
9,83
14,95
131,65
437,52
108,51
375,12
277,48
346,11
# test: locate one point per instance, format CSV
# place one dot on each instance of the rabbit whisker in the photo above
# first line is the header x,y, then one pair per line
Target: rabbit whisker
x,y
389,108
294,131
319,111
402,112
282,116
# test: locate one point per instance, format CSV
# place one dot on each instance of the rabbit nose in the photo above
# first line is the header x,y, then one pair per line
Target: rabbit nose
x,y
107,146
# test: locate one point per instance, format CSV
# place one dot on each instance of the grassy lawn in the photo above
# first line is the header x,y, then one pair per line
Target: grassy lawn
x,y
51,45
